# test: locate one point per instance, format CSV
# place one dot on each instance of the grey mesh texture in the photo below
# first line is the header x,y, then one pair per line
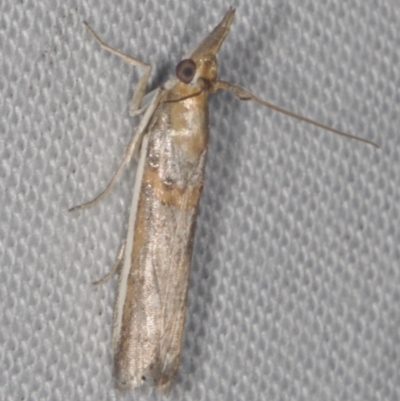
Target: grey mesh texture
x,y
294,291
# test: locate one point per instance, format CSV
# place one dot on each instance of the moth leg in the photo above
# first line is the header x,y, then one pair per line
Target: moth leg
x,y
144,104
115,267
135,106
107,190
141,86
130,151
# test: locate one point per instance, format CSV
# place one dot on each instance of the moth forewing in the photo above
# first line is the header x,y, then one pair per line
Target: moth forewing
x,y
150,307
125,268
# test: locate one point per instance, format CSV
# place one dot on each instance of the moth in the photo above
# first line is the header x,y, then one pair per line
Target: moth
x,y
154,261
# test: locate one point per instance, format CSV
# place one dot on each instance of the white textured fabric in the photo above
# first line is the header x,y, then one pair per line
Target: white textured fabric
x,y
295,285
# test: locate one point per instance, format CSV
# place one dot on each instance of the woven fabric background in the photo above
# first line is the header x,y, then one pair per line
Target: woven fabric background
x,y
295,286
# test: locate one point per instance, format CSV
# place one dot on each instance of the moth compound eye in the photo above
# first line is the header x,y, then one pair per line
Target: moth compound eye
x,y
185,70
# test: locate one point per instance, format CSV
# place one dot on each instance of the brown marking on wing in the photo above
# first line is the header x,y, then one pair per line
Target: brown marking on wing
x,y
172,194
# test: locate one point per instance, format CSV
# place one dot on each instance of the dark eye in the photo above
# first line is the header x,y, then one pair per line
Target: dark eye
x,y
185,70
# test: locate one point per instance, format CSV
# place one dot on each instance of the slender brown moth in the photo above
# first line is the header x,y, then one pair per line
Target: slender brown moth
x,y
154,261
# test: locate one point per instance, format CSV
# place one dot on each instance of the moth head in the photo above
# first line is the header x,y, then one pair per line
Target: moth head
x,y
201,63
